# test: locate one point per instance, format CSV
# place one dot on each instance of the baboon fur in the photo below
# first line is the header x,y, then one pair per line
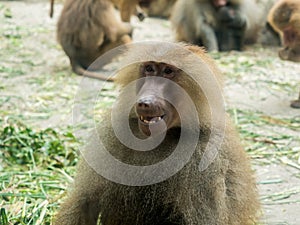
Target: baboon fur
x,y
128,8
197,20
159,8
225,193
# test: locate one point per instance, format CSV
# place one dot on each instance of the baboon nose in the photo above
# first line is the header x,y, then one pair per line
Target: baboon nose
x,y
149,106
145,102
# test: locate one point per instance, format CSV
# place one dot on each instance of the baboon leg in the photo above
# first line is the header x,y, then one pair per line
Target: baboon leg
x,y
78,210
125,39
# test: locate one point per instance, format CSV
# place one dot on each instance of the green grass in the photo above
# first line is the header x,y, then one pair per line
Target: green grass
x,y
36,164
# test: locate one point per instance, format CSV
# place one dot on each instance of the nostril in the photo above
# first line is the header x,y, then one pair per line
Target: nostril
x,y
145,102
144,105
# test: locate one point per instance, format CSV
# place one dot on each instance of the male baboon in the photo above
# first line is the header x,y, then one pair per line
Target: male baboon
x,y
215,24
284,17
157,8
221,24
223,193
86,29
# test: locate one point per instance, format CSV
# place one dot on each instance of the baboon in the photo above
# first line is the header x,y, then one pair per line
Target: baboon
x,y
221,24
223,192
284,17
157,8
215,24
86,29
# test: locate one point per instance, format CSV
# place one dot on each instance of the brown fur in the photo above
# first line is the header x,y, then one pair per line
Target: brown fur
x,y
86,29
128,8
225,193
158,8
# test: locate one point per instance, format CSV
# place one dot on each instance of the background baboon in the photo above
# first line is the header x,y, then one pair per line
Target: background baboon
x,y
210,23
86,29
284,17
220,24
222,194
157,8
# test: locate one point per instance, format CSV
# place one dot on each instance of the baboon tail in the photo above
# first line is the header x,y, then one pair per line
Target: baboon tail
x,y
78,69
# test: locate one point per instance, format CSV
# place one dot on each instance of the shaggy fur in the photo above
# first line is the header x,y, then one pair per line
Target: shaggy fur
x,y
225,193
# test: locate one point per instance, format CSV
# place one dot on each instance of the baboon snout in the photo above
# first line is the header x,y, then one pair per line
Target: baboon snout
x,y
146,102
149,106
150,110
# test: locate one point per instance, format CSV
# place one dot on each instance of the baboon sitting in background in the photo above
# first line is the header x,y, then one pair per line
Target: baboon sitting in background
x,y
86,29
284,17
222,25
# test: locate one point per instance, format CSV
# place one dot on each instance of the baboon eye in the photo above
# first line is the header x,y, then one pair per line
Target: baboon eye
x,y
149,69
168,72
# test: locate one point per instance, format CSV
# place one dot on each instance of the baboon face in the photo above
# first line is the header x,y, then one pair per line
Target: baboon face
x,y
155,112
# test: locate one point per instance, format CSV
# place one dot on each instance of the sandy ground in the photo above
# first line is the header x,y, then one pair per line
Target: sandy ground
x,y
29,50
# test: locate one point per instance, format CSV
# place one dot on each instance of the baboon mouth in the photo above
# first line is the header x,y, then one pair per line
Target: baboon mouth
x,y
151,119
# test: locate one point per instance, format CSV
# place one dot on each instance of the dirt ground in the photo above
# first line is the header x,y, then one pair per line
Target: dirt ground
x,y
38,87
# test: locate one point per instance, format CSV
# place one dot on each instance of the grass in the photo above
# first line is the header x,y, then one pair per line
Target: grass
x,y
263,137
38,149
34,173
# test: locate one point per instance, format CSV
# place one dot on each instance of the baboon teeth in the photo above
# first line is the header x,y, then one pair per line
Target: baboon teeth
x,y
151,120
